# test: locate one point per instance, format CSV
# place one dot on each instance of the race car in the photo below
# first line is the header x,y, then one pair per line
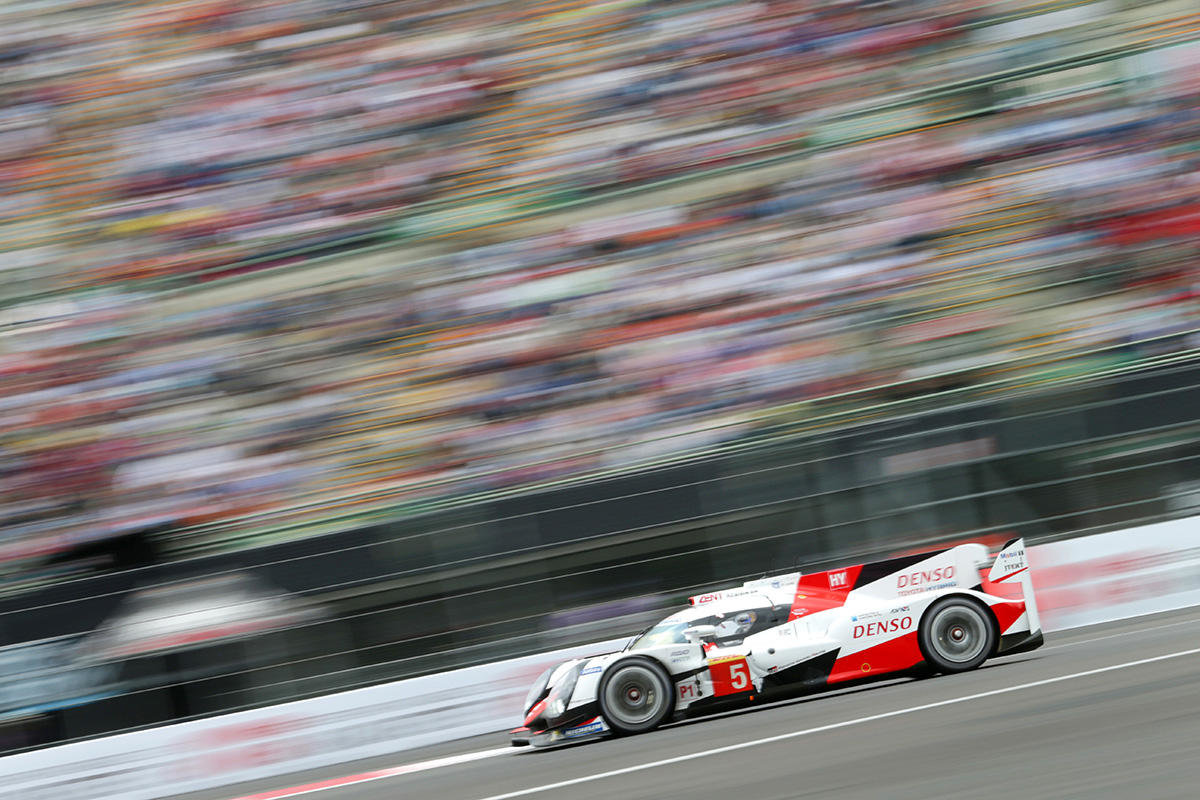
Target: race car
x,y
941,612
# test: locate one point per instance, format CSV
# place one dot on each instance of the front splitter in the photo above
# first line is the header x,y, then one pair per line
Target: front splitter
x,y
592,729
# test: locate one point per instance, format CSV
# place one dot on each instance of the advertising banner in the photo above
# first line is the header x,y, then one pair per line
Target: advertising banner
x,y
1109,576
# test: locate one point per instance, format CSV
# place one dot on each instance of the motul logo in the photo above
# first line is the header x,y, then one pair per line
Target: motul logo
x,y
887,626
925,576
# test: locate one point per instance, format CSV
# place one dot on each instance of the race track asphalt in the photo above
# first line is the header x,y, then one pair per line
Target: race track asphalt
x,y
1109,711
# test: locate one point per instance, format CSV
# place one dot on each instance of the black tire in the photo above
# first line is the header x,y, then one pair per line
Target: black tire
x,y
957,634
636,694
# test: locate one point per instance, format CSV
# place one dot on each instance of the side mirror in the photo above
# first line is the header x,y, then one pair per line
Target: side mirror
x,y
700,633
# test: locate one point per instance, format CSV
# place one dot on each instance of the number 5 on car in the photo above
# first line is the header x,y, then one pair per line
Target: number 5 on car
x,y
730,675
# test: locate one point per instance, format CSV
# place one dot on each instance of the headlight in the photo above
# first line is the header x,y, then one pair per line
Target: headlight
x,y
560,695
538,690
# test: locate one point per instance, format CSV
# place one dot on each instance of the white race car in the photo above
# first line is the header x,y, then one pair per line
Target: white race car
x,y
947,611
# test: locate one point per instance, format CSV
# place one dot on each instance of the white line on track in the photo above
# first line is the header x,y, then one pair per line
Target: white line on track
x,y
1118,635
834,726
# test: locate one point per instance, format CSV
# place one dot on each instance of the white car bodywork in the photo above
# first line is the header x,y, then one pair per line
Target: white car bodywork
x,y
803,631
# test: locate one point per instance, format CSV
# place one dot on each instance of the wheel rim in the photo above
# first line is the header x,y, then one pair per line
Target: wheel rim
x,y
959,634
633,695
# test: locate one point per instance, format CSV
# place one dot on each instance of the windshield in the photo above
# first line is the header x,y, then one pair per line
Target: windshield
x,y
665,632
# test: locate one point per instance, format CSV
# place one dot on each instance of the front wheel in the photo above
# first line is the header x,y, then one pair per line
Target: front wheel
x,y
956,635
636,695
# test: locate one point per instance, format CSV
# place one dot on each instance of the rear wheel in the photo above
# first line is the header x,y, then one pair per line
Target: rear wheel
x,y
636,695
956,635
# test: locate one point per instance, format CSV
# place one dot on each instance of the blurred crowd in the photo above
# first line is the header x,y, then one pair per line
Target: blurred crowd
x,y
953,192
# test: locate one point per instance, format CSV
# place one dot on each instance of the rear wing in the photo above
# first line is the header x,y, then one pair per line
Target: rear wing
x,y
1011,568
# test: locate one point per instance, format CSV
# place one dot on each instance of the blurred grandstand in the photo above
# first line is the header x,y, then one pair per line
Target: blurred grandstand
x,y
486,244
276,269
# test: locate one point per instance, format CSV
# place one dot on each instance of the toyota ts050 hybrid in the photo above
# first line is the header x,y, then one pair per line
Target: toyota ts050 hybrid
x,y
947,611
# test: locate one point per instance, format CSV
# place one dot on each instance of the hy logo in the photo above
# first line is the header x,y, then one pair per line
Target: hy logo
x,y
837,580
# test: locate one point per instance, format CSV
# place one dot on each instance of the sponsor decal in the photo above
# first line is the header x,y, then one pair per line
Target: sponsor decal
x,y
709,597
584,730
869,615
838,580
899,610
724,659
591,670
1009,563
879,628
730,675
925,576
925,580
1014,565
677,653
